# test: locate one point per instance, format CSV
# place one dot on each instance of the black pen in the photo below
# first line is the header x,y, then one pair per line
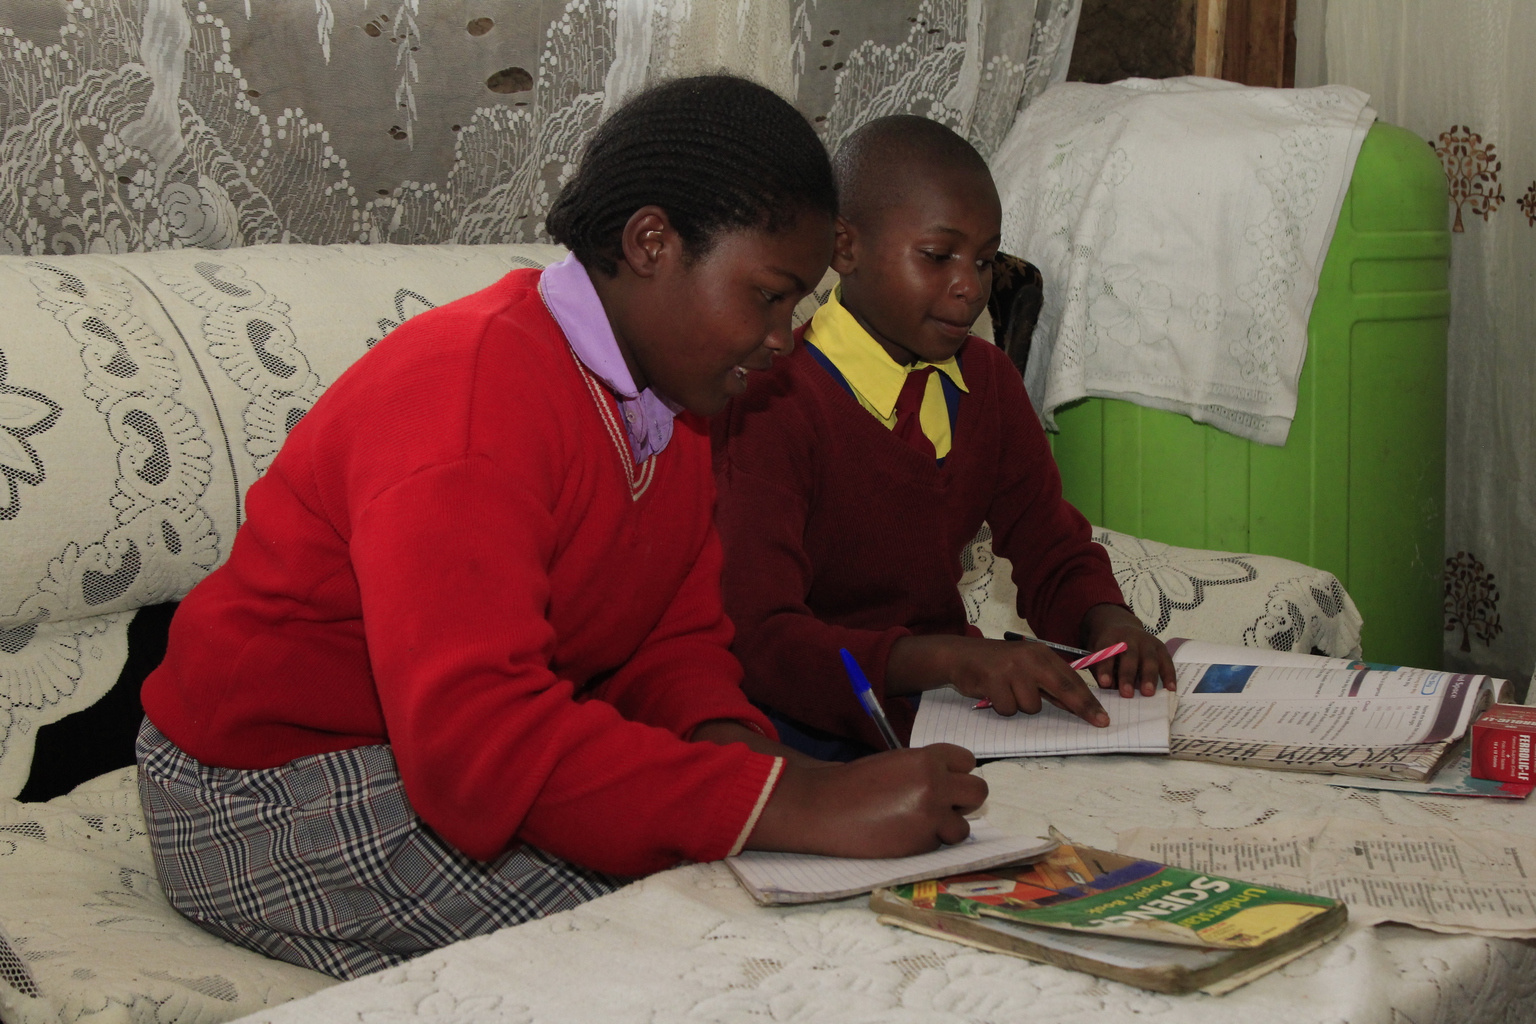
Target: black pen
x,y
1063,648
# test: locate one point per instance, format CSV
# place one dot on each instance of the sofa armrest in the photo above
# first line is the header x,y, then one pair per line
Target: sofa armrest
x,y
1219,596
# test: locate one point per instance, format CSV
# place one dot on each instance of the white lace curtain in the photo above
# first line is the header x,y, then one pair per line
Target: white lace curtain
x,y
1462,76
147,124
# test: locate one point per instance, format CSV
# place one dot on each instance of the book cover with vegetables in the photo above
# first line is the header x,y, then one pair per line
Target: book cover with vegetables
x,y
1083,889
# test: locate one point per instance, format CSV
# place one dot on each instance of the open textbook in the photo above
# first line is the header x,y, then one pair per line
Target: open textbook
x,y
1247,706
1278,710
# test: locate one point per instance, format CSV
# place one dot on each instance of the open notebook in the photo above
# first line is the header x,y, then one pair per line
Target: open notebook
x,y
1137,725
806,878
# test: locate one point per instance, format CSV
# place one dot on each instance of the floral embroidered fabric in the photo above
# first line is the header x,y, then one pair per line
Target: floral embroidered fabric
x,y
153,389
1190,298
134,125
1253,600
87,930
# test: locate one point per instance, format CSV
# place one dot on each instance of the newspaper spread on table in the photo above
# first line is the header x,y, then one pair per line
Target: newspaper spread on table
x,y
1455,779
1478,883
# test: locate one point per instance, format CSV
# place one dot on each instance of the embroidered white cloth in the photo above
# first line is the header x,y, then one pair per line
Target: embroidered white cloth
x,y
1255,600
86,934
689,945
1180,226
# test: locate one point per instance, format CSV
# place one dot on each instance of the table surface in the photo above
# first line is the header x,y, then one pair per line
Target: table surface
x,y
688,945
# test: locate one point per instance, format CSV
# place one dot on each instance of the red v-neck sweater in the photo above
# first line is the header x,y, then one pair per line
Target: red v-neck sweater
x,y
838,534
449,557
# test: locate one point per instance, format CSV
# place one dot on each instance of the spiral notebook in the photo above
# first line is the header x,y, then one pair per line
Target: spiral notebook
x,y
806,878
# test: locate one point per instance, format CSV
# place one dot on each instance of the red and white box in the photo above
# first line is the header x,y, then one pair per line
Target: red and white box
x,y
1504,744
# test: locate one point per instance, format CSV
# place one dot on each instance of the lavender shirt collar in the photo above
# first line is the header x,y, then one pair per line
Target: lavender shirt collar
x,y
573,302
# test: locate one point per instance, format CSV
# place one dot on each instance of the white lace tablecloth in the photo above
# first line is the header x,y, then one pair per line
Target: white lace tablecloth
x,y
688,945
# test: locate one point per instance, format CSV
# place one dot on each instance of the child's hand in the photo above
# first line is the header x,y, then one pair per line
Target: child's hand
x,y
1145,660
892,804
1013,676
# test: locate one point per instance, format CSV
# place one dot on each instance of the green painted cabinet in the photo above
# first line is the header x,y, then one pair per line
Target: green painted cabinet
x,y
1359,487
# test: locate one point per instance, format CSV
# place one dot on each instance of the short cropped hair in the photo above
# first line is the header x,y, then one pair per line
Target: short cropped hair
x,y
715,151
869,162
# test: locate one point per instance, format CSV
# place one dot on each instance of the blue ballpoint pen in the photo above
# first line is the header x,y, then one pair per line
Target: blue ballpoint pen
x,y
866,696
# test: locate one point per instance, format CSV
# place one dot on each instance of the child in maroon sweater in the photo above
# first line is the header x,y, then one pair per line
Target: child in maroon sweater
x,y
854,473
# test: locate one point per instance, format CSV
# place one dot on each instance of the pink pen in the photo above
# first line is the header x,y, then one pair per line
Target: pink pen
x,y
1083,662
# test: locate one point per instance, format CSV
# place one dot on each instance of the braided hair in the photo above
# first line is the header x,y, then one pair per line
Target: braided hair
x,y
715,151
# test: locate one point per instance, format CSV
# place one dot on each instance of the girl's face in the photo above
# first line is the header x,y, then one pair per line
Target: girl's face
x,y
693,329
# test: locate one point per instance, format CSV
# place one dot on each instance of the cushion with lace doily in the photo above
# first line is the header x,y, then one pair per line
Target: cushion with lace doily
x,y
1221,596
141,395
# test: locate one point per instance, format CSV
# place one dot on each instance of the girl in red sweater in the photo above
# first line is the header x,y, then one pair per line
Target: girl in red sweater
x,y
467,664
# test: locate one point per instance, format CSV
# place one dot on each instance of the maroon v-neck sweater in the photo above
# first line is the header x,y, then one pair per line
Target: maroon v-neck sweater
x,y
837,534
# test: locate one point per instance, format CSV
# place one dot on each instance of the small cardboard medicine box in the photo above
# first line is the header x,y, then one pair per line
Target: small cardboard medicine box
x,y
1504,744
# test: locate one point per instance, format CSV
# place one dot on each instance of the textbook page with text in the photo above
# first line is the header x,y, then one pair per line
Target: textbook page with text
x,y
1398,723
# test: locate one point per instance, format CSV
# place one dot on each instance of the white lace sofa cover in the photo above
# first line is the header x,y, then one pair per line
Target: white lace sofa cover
x,y
140,395
1252,600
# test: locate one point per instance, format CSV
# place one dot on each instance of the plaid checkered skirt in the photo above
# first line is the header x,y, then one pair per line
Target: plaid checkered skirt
x,y
323,863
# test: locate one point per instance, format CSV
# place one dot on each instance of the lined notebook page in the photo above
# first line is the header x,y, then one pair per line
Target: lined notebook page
x,y
1138,725
805,877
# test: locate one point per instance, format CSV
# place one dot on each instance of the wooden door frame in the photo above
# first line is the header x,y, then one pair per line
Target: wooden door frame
x,y
1247,41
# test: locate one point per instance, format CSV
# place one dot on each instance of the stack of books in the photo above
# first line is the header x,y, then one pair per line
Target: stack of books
x,y
1129,920
1124,918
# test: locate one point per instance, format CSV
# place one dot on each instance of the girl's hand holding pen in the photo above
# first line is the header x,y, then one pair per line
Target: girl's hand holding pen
x,y
892,804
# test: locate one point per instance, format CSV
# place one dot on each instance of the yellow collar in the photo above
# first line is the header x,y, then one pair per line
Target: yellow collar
x,y
866,366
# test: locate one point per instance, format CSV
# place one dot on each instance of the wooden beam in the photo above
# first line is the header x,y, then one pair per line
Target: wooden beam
x,y
1288,79
1210,37
1260,42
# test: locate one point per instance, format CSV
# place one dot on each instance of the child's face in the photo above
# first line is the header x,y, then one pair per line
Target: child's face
x,y
918,273
706,322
